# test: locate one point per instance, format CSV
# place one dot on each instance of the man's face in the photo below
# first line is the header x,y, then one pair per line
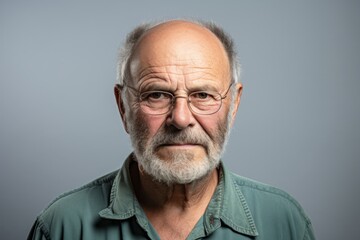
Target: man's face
x,y
180,146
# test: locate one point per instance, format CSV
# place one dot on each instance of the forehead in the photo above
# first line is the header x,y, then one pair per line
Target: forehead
x,y
181,48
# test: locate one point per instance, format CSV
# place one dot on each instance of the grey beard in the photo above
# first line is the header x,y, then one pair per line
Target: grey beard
x,y
182,168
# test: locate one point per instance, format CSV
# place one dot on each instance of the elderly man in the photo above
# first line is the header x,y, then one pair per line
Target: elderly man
x,y
178,97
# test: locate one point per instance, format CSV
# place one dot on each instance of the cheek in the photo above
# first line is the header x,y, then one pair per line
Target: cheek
x,y
152,124
216,124
211,124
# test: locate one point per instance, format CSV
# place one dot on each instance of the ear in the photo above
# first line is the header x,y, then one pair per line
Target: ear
x,y
118,96
237,97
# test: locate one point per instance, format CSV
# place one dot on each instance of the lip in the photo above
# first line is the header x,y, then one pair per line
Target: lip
x,y
180,145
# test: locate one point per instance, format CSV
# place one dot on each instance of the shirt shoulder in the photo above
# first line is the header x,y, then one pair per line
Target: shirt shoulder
x,y
269,204
265,193
75,209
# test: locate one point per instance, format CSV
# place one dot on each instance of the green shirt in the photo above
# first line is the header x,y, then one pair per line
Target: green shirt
x,y
108,209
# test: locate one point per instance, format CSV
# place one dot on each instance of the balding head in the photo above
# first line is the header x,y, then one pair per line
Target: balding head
x,y
178,31
179,44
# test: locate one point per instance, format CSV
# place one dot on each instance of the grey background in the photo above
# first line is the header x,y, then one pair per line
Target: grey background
x,y
297,127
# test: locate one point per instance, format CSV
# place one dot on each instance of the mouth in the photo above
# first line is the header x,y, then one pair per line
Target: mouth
x,y
179,145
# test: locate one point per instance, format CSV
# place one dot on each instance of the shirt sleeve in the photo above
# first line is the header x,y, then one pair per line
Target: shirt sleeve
x,y
36,233
309,233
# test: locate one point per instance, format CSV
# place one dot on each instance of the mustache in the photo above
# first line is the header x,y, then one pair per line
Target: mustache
x,y
167,137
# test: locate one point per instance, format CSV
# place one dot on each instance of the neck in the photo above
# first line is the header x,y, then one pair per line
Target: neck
x,y
157,196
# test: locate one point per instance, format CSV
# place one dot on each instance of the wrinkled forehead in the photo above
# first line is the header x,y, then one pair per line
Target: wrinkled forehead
x,y
180,43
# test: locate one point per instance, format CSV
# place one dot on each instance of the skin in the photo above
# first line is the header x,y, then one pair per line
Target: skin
x,y
179,57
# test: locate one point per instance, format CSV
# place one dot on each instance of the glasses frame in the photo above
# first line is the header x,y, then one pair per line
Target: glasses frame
x,y
174,99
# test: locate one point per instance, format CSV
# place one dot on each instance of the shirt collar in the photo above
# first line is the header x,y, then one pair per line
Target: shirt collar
x,y
123,203
234,212
228,204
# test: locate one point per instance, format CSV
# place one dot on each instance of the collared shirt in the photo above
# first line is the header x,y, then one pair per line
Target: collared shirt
x,y
107,208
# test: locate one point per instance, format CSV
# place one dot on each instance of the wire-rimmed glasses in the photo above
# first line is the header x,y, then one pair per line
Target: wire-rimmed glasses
x,y
161,102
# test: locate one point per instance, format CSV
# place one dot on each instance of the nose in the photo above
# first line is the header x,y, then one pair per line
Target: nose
x,y
180,115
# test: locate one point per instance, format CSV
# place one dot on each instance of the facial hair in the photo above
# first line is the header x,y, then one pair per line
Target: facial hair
x,y
181,167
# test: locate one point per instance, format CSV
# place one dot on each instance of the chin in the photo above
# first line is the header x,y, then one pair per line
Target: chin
x,y
181,167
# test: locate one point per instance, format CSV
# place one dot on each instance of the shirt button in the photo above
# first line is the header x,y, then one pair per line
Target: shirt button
x,y
211,219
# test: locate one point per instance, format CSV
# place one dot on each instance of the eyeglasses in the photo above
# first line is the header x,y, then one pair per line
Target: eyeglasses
x,y
161,102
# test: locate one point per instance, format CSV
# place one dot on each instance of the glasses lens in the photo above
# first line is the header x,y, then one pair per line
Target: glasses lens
x,y
159,102
155,102
205,102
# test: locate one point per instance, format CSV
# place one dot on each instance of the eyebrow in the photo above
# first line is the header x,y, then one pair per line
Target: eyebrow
x,y
156,87
167,88
204,88
163,84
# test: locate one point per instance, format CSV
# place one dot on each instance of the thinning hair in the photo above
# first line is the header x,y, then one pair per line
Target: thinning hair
x,y
129,47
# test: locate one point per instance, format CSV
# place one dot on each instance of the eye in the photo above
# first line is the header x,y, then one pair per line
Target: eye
x,y
202,96
155,96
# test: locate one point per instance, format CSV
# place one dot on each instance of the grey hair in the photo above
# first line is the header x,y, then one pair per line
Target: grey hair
x,y
129,46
